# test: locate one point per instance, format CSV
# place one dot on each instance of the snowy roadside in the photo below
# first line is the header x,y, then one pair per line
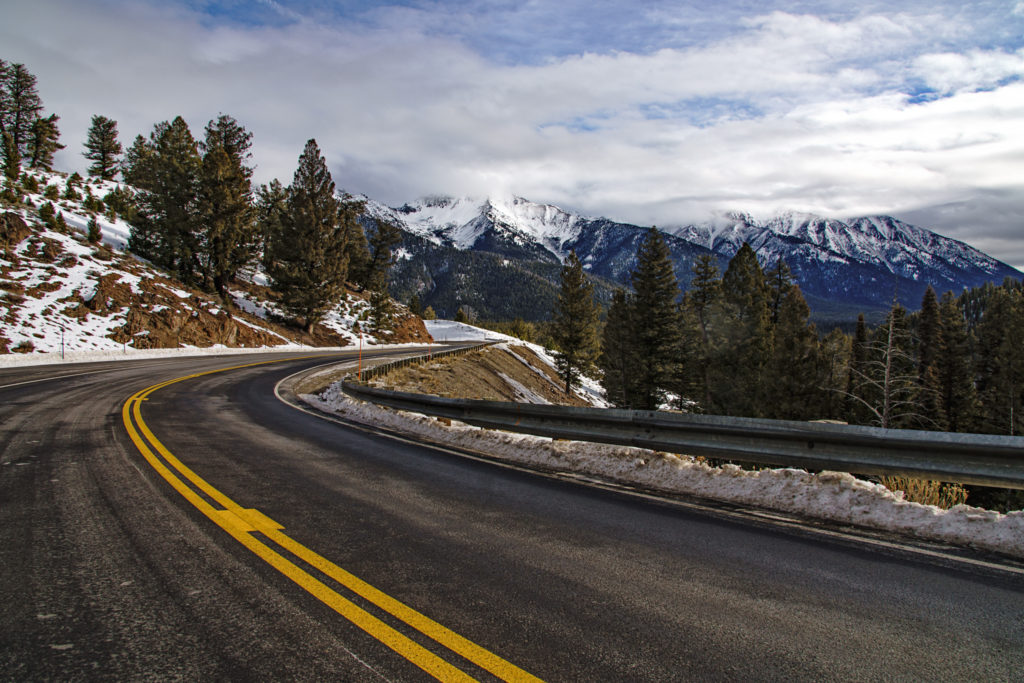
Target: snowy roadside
x,y
832,496
9,360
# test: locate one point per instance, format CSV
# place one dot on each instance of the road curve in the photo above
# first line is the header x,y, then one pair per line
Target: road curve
x,y
108,572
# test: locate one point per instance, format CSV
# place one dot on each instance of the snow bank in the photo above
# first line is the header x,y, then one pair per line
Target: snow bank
x,y
833,496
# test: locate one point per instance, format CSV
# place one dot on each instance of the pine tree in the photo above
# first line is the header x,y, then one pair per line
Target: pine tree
x,y
953,366
22,105
834,355
225,207
702,299
929,341
415,305
1001,362
460,316
44,142
103,148
575,321
689,382
618,360
382,243
358,253
792,383
12,160
429,314
856,411
166,171
738,366
929,331
656,319
94,234
5,97
271,206
308,260
778,281
382,313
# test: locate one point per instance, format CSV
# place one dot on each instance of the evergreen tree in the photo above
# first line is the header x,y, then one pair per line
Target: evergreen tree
x,y
358,254
702,300
308,260
103,148
271,206
929,341
738,367
5,97
12,160
656,319
415,305
94,234
21,106
953,365
460,316
429,314
856,412
225,206
382,313
792,383
575,321
166,172
1001,362
71,186
382,243
44,142
618,360
778,280
834,354
929,331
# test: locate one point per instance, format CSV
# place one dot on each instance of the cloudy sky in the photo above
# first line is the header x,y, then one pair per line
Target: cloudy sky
x,y
657,112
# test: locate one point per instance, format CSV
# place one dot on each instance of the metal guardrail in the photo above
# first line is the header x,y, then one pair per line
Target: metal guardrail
x,y
965,458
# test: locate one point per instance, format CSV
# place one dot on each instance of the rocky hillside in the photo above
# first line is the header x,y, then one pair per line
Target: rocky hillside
x,y
57,290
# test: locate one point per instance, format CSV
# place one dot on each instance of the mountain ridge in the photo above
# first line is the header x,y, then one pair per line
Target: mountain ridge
x,y
862,262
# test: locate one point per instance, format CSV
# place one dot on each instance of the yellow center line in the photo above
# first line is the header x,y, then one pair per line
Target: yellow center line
x,y
240,522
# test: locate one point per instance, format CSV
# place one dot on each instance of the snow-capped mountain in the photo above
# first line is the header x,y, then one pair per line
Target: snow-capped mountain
x,y
863,262
903,249
510,225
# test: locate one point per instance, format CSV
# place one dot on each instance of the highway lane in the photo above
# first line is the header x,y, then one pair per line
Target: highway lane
x,y
107,572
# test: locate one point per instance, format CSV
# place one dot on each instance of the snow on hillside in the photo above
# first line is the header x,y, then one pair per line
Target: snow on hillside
x,y
448,330
833,496
61,294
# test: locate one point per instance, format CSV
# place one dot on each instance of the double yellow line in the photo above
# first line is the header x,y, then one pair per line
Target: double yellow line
x,y
241,523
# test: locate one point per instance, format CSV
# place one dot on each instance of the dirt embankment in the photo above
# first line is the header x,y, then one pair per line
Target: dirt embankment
x,y
508,372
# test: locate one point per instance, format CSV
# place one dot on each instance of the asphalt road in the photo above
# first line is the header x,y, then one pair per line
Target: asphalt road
x,y
108,572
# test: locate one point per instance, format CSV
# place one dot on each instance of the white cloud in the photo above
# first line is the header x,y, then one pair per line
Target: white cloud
x,y
951,72
786,111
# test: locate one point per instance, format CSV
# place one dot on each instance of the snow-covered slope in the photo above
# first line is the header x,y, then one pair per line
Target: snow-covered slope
x,y
58,293
467,223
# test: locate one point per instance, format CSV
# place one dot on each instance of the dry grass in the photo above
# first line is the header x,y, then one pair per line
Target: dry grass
x,y
927,492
